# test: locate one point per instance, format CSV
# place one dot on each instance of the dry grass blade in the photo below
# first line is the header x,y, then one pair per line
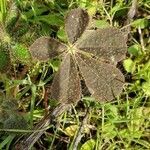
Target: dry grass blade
x,y
108,44
132,10
66,84
103,80
45,48
75,24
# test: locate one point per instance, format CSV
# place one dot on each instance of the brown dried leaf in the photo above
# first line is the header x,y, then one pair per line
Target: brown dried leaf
x,y
103,80
75,24
45,48
108,44
66,84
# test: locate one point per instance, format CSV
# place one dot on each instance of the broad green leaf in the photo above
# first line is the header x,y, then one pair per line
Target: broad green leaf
x,y
62,35
108,44
21,53
137,119
140,23
117,7
103,80
129,65
45,48
55,64
101,24
88,145
134,50
108,131
75,24
66,84
112,111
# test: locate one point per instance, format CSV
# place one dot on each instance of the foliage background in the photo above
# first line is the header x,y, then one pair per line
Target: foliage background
x,y
24,90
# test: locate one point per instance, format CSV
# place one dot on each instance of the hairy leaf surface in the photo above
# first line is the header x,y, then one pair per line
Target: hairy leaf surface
x,y
45,48
66,84
76,23
103,80
108,44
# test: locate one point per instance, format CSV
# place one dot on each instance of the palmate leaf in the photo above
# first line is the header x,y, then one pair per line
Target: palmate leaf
x,y
89,53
